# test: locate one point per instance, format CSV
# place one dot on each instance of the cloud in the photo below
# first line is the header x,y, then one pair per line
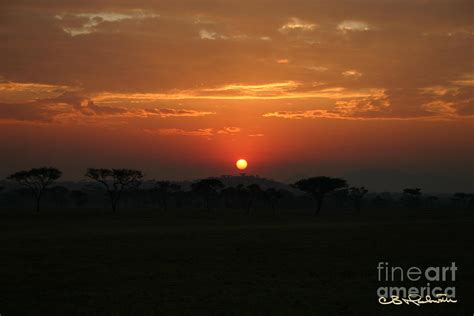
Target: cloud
x,y
256,135
465,108
82,105
27,91
130,51
438,90
86,23
180,132
267,91
296,24
297,115
71,106
229,130
209,35
443,108
317,68
426,104
206,34
254,88
176,112
352,74
203,132
353,26
465,80
30,112
63,107
282,61
456,100
327,114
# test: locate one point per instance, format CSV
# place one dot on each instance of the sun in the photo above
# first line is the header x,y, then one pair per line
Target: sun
x,y
241,164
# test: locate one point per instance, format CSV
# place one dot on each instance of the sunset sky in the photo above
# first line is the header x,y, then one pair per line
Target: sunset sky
x,y
380,92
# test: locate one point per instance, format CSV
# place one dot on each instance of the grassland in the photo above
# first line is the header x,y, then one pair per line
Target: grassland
x,y
196,263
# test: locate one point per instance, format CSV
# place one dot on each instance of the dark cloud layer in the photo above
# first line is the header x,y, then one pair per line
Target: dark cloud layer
x,y
149,47
144,46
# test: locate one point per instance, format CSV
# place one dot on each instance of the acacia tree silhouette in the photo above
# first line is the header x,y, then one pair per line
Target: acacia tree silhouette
x,y
462,199
412,196
116,181
36,180
164,190
432,200
207,188
357,194
318,187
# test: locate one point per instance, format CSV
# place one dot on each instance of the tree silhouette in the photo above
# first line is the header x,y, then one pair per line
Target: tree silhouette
x,y
357,194
116,181
432,200
462,199
164,190
412,192
207,189
341,196
36,180
318,187
412,196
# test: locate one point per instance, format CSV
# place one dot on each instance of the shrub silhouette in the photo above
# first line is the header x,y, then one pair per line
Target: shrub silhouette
x,y
37,180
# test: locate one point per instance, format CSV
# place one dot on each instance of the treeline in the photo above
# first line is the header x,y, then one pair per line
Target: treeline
x,y
122,188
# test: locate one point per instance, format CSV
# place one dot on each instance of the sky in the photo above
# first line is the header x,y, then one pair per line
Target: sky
x,y
379,92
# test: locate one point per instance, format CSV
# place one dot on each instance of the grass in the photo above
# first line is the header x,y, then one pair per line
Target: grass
x,y
143,263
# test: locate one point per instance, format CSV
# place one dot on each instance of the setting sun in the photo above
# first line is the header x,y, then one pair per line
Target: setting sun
x,y
241,164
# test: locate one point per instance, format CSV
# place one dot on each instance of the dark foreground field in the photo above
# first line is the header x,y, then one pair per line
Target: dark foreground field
x,y
142,263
